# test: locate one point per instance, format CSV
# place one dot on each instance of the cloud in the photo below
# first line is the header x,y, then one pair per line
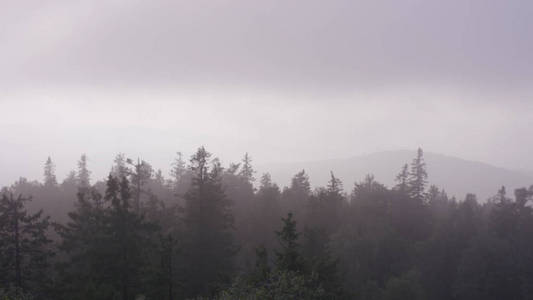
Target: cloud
x,y
284,80
300,45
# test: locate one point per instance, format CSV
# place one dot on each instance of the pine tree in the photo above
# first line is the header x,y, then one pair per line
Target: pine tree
x,y
49,173
24,247
418,177
209,246
84,175
247,170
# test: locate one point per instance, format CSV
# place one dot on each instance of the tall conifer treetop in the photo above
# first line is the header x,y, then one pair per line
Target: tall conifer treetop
x,y
84,175
418,177
50,173
247,170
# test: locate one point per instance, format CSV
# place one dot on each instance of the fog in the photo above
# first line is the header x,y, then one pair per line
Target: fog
x,y
336,149
268,77
154,125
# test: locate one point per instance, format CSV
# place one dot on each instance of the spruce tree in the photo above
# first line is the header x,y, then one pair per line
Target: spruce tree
x,y
209,247
129,240
402,179
295,197
143,172
247,170
24,247
233,168
319,261
266,213
159,178
106,243
289,258
120,168
50,173
334,185
178,169
262,268
70,180
418,177
83,269
84,175
266,181
300,183
325,206
334,202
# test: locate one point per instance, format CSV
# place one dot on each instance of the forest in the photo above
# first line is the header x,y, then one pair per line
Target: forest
x,y
208,231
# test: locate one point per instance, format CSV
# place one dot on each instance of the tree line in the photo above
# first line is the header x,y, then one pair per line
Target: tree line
x,y
214,232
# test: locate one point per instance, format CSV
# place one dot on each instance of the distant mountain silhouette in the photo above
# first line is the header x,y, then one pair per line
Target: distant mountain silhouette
x,y
457,176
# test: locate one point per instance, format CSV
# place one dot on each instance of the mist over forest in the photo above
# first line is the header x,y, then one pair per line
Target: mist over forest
x,y
226,232
264,150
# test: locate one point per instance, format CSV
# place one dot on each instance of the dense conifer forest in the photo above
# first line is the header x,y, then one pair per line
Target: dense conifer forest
x,y
208,231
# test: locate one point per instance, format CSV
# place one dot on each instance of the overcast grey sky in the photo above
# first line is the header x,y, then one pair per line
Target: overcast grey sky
x,y
283,80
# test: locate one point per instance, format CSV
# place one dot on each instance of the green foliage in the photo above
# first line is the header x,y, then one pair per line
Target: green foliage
x,y
325,207
283,285
488,270
24,247
14,293
262,268
402,179
209,247
417,179
378,243
319,261
106,244
266,213
247,170
50,173
84,175
404,287
289,257
295,197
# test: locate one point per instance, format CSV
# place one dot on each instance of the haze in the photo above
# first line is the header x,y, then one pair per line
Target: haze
x,y
246,149
284,81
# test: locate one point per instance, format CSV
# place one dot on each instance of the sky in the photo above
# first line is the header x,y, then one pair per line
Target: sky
x,y
283,80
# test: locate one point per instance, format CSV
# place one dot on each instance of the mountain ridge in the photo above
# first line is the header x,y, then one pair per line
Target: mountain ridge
x,y
456,175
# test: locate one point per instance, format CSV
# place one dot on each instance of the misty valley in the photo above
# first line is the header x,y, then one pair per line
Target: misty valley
x,y
208,231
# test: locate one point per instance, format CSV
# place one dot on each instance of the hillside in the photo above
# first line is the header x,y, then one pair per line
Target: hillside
x,y
457,176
